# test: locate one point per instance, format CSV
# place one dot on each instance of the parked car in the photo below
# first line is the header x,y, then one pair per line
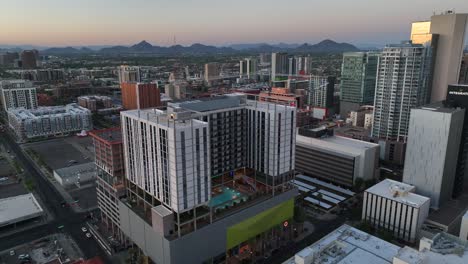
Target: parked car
x,y
84,229
88,235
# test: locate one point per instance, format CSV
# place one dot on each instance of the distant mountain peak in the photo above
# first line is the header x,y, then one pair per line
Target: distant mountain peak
x,y
142,45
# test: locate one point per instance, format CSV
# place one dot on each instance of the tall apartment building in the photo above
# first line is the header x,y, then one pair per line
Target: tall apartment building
x,y
206,170
28,124
464,70
128,74
18,93
321,92
248,68
279,65
109,160
403,82
29,59
393,206
303,65
450,28
431,155
137,95
212,71
265,59
358,77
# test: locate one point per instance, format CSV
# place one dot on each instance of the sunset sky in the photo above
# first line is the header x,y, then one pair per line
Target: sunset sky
x,y
217,22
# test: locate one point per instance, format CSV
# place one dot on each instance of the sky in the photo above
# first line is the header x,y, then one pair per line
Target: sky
x,y
214,22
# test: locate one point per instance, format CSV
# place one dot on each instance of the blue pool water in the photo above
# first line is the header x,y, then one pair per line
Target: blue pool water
x,y
227,197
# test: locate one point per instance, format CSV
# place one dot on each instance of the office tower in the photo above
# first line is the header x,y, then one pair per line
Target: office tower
x,y
321,92
431,155
29,59
214,170
212,71
292,66
44,121
464,70
248,68
358,76
8,58
451,30
279,66
140,95
457,97
18,93
128,74
393,206
109,160
403,79
421,32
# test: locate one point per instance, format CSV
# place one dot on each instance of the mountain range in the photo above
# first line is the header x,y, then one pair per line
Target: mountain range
x,y
325,46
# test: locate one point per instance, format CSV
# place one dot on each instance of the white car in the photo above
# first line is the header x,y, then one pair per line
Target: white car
x,y
88,235
84,229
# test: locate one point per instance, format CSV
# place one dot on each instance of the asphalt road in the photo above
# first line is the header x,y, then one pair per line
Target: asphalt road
x,y
71,221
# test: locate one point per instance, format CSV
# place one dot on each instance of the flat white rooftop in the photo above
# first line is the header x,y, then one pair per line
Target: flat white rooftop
x,y
348,245
399,192
347,146
19,208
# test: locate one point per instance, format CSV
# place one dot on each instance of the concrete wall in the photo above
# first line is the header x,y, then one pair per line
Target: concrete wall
x,y
196,247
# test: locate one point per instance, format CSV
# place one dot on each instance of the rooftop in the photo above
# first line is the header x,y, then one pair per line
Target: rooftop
x,y
347,245
48,111
111,135
18,208
439,108
399,192
343,145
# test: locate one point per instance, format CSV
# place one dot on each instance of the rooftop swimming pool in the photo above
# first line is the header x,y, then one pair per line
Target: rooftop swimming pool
x,y
227,197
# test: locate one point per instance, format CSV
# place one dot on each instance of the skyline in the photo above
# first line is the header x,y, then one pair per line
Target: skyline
x,y
86,24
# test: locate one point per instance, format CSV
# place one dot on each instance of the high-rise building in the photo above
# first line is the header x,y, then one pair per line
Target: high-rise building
x,y
29,59
18,93
464,70
431,155
214,170
450,28
248,68
358,76
303,65
212,71
140,95
403,81
321,92
128,74
393,206
8,58
279,65
109,160
265,59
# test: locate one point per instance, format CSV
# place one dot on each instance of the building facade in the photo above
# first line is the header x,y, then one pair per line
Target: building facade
x,y
464,70
212,71
128,74
335,159
431,154
49,121
358,77
279,65
18,93
109,160
393,206
248,68
403,83
140,95
196,165
29,59
321,92
95,102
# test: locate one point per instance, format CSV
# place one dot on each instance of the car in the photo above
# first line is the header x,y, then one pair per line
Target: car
x,y
12,252
88,235
23,256
84,229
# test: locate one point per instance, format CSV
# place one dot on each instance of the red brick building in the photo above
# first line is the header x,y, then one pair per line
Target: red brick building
x,y
140,95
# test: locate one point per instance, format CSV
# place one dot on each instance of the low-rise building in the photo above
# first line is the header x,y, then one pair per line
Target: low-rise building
x,y
335,159
49,121
393,206
75,176
19,209
95,102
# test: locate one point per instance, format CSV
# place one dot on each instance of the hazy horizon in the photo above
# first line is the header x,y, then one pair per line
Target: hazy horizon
x,y
58,23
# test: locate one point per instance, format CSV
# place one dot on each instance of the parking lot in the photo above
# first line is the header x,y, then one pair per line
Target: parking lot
x,y
63,152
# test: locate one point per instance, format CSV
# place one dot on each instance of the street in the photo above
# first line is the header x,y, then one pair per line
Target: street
x,y
63,216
